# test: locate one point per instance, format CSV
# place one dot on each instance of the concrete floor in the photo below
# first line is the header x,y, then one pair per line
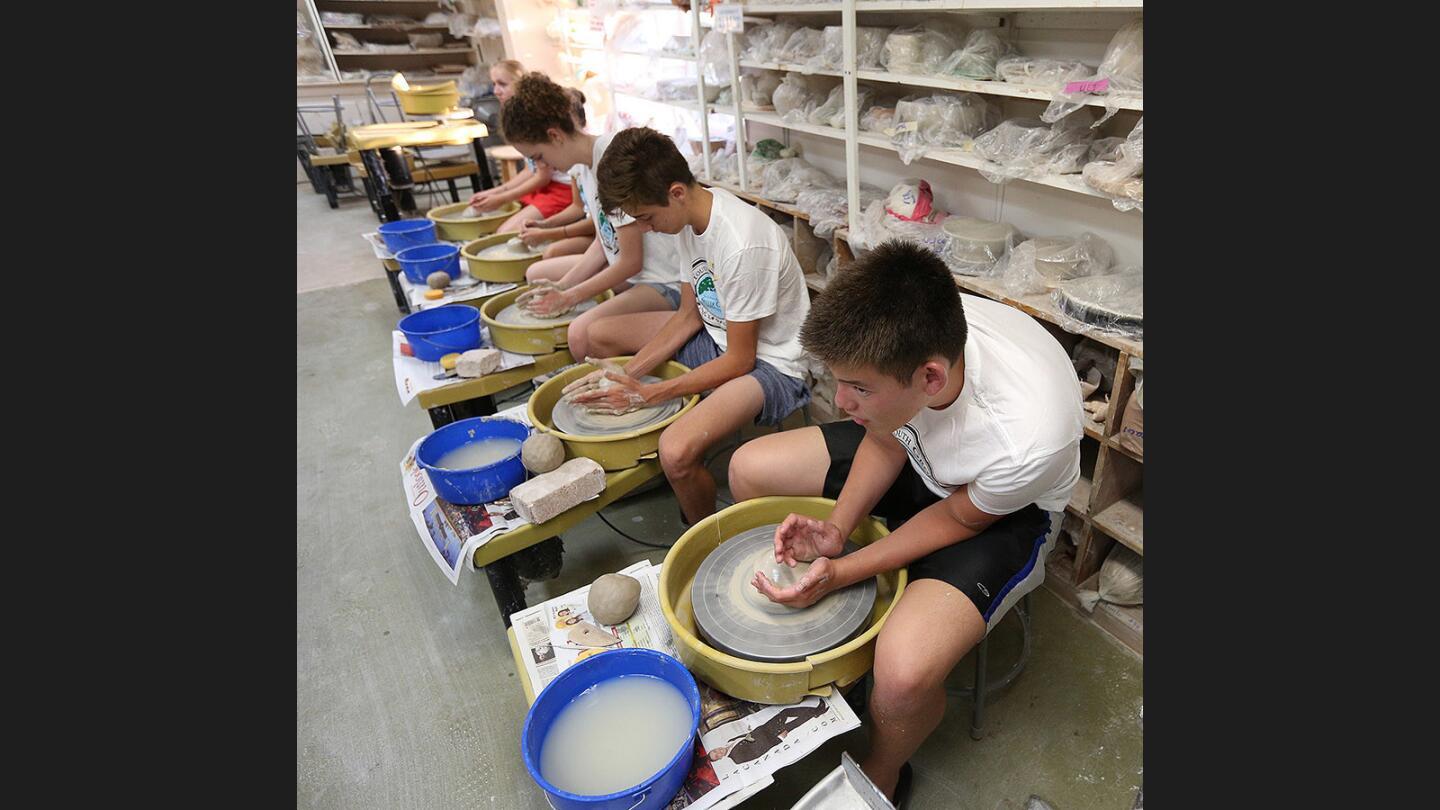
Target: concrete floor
x,y
406,694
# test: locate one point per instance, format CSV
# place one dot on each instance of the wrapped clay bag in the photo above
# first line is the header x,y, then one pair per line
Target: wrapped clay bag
x,y
1122,580
976,60
921,49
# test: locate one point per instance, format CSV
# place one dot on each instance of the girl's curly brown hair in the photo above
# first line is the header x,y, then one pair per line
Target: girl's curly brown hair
x,y
537,105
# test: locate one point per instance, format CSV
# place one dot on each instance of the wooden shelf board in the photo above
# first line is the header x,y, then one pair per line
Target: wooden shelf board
x,y
773,120
402,54
1080,499
783,208
1124,520
988,88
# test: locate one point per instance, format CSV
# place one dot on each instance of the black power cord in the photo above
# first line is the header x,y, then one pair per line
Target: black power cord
x,y
616,529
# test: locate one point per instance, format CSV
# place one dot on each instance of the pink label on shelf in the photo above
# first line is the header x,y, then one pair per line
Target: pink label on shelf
x,y
1088,87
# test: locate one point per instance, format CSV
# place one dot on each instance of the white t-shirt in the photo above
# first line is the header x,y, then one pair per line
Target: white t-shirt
x,y
660,264
743,270
1013,433
556,176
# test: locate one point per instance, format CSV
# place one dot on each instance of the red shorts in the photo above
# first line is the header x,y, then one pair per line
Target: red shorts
x,y
550,200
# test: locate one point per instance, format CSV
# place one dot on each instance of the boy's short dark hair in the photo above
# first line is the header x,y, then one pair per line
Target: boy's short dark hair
x,y
892,310
637,169
537,105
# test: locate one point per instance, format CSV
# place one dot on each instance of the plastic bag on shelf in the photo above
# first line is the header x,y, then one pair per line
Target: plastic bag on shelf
x,y
787,177
868,43
427,40
1122,580
715,58
977,58
1112,304
802,46
794,99
941,120
630,34
975,246
1044,73
1122,69
833,104
921,49
437,18
863,98
1105,149
879,117
1045,262
764,42
341,18
757,88
1121,178
487,27
829,208
678,46
346,42
1026,147
906,213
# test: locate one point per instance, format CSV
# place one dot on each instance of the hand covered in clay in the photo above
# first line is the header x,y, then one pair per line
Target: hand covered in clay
x,y
613,395
532,234
814,586
549,302
802,538
592,380
486,200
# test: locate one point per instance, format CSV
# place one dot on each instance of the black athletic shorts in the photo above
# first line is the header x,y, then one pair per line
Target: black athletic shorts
x,y
1002,561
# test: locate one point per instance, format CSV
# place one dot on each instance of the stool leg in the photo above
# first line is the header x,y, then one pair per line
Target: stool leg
x,y
505,584
977,720
475,184
454,192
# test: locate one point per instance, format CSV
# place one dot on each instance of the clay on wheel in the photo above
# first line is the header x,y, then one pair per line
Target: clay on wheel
x,y
613,598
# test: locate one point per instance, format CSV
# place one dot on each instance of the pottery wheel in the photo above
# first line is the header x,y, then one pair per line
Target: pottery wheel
x,y
514,315
735,618
567,418
1104,301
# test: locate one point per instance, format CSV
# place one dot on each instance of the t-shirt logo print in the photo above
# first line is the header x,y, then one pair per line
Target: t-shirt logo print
x,y
607,233
910,439
706,295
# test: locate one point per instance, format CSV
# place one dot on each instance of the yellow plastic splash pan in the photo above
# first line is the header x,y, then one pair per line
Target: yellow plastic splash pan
x,y
429,99
620,451
754,680
452,227
526,339
504,270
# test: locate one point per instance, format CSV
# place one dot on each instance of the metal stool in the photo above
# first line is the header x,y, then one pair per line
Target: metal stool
x,y
983,688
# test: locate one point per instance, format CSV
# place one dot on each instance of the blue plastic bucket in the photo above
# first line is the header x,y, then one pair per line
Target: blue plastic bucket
x,y
477,484
651,794
419,262
407,233
434,333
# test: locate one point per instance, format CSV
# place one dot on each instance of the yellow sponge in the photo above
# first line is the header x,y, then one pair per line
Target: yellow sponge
x,y
448,361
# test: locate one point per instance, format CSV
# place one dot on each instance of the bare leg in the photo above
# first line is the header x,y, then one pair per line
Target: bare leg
x,y
527,214
927,634
551,269
571,246
624,334
791,462
683,445
639,298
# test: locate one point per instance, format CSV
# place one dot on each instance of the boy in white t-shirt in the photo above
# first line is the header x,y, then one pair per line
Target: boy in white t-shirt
x,y
966,429
738,324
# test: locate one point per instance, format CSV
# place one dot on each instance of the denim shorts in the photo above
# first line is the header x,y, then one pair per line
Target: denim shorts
x,y
670,292
783,393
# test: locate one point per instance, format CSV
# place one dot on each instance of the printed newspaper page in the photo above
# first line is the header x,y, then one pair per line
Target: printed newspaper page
x,y
451,532
740,744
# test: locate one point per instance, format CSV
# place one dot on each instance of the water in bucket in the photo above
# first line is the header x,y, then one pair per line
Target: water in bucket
x,y
615,735
478,454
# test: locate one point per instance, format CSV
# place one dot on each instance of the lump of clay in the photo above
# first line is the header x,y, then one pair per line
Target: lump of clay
x,y
477,362
438,280
542,453
613,598
471,212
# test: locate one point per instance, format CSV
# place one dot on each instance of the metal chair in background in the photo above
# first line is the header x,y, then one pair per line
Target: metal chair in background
x,y
329,174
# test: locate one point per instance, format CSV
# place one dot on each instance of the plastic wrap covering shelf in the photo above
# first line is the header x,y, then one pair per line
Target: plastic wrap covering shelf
x,y
955,157
1026,147
921,49
829,208
1042,264
787,177
1121,74
812,129
941,120
1121,176
1110,304
977,58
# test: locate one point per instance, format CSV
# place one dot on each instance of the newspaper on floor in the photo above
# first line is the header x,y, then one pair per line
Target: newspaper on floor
x,y
413,375
451,532
740,745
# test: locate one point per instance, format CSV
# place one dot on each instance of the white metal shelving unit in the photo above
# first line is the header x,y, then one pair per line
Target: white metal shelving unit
x,y
1108,501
